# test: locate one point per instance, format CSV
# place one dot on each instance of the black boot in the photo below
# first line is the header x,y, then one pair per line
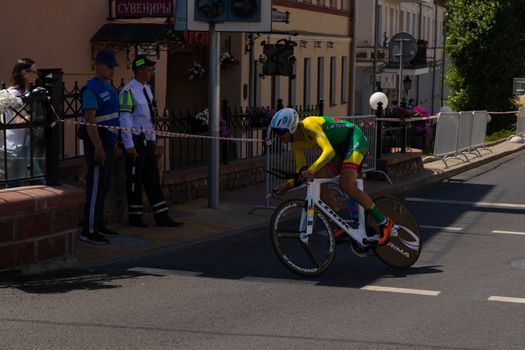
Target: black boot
x,y
136,220
166,221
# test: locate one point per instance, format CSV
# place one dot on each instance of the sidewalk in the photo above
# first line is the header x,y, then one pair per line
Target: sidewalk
x,y
233,215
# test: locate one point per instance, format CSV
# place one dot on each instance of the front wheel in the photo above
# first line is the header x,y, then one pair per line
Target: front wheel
x,y
404,246
308,258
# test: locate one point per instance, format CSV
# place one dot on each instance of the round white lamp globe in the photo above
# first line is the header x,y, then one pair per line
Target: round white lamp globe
x,y
376,98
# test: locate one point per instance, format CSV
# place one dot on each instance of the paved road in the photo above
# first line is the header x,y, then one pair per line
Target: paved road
x,y
467,291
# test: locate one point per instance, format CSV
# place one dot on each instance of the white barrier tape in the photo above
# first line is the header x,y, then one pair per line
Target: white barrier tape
x,y
162,133
407,119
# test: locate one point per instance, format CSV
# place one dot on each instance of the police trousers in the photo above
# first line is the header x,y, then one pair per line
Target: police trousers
x,y
142,172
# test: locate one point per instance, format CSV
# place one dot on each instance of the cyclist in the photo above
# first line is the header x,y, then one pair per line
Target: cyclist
x,y
343,147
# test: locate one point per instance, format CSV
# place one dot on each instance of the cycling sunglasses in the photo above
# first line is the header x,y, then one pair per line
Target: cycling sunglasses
x,y
280,131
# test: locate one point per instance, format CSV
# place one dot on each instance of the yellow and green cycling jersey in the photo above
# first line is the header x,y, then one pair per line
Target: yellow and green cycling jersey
x,y
343,144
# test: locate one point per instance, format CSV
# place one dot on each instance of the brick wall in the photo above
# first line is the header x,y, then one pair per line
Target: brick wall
x,y
180,186
39,227
184,185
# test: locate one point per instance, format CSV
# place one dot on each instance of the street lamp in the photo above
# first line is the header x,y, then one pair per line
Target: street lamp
x,y
378,101
407,83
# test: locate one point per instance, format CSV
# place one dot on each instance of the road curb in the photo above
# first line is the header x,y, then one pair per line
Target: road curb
x,y
437,177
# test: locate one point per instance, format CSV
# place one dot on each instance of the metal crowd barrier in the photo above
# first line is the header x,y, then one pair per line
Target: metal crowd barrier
x,y
280,156
459,134
520,122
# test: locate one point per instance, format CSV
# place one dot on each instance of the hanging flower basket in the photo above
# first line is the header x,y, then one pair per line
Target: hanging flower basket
x,y
196,71
227,60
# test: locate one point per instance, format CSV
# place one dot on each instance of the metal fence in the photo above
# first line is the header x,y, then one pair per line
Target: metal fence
x,y
26,153
520,122
400,136
459,134
181,153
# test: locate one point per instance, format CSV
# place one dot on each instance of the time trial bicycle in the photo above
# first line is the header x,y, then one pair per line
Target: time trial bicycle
x,y
302,230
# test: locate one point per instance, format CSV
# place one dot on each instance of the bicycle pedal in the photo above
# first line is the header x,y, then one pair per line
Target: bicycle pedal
x,y
370,242
358,249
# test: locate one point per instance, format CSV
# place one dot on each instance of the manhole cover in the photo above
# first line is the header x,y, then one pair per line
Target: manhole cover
x,y
127,241
520,264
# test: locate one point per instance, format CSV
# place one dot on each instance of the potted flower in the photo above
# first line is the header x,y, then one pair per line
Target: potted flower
x,y
261,117
196,71
227,59
201,121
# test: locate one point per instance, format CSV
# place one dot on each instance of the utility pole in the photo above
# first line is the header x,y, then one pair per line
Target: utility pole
x,y
214,92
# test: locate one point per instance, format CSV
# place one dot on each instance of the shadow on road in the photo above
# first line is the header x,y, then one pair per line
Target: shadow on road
x,y
250,255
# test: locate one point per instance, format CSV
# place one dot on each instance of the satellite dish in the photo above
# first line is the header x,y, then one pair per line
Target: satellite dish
x,y
409,47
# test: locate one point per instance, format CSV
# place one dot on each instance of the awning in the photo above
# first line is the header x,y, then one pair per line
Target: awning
x,y
130,33
147,33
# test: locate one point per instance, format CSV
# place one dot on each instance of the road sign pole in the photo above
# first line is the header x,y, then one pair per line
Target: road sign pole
x,y
213,121
400,73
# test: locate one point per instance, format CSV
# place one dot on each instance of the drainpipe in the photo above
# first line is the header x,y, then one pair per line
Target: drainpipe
x,y
434,63
376,34
353,58
443,57
419,38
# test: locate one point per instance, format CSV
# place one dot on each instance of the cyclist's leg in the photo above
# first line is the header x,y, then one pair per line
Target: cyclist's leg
x,y
349,173
326,195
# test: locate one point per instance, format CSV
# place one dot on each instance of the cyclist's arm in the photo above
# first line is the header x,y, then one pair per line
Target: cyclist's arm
x,y
300,160
327,151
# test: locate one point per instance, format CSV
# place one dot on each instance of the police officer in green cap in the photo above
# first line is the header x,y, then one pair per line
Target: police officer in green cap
x,y
137,107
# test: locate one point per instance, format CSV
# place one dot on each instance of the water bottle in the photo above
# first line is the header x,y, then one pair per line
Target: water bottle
x,y
353,210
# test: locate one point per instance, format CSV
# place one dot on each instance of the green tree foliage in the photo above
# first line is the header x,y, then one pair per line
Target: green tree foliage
x,y
486,49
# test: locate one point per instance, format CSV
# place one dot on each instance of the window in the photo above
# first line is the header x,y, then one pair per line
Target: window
x,y
344,5
408,24
391,33
414,26
307,88
276,88
291,87
321,3
333,4
333,77
424,33
344,79
320,78
258,70
402,21
380,25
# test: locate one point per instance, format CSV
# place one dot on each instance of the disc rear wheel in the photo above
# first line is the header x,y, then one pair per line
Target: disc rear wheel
x,y
404,246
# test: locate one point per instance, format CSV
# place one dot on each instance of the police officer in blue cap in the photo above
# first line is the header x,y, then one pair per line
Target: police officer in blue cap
x,y
100,113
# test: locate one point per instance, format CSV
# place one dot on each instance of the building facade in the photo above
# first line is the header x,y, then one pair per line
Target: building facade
x,y
377,22
68,34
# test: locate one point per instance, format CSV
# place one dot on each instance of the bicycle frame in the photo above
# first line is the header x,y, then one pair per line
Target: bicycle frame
x,y
313,200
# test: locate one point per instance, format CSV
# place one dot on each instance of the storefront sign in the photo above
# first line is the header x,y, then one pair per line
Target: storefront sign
x,y
143,8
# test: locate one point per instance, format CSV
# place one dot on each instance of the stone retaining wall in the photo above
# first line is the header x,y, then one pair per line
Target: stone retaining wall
x,y
39,227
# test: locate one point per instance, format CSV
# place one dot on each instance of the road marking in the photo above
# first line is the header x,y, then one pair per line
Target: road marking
x,y
164,272
445,228
402,290
278,280
507,299
509,232
474,204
